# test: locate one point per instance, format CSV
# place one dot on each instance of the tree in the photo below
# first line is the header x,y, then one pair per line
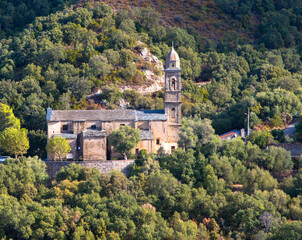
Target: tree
x,y
192,57
120,39
278,159
58,147
277,121
158,33
76,172
261,138
37,143
7,118
195,131
259,179
193,92
181,38
183,229
129,72
124,139
111,94
33,111
128,26
278,101
64,101
14,141
99,66
181,164
101,10
113,57
211,182
187,138
22,175
220,94
287,230
148,17
79,86
83,16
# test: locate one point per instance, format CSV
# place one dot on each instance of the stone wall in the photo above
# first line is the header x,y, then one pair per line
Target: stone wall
x,y
103,166
294,148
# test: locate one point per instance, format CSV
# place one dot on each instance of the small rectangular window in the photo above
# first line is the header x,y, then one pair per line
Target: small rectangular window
x,y
173,113
157,141
93,126
172,148
65,127
122,125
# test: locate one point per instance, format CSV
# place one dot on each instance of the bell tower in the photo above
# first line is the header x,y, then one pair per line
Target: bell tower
x,y
173,88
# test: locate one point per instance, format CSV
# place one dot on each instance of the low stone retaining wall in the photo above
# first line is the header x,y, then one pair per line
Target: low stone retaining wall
x,y
294,148
53,167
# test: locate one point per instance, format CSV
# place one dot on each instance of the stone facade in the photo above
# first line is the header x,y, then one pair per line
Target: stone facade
x,y
173,89
87,131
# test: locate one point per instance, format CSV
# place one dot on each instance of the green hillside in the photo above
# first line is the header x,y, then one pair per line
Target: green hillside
x,y
15,15
61,59
207,17
81,55
275,23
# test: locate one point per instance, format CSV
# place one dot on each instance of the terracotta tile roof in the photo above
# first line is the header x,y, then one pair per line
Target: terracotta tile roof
x,y
229,133
203,83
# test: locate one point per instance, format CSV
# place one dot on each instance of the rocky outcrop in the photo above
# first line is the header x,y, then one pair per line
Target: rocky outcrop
x,y
155,79
158,80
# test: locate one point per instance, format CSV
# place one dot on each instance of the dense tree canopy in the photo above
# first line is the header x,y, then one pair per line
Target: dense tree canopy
x,y
187,196
65,57
206,189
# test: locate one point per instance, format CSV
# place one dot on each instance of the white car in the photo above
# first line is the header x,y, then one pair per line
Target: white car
x,y
3,158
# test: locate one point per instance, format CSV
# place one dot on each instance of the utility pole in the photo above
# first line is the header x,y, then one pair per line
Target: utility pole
x,y
248,122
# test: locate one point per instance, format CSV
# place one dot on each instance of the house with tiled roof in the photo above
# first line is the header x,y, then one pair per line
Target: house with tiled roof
x,y
232,135
87,131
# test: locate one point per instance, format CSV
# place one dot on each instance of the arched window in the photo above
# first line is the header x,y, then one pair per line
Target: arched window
x,y
173,65
173,113
173,84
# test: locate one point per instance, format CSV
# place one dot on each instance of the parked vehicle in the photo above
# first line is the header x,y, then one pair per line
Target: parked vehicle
x,y
3,158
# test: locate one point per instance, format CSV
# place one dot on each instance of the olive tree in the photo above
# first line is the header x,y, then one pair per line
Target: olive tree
x,y
124,139
58,147
14,141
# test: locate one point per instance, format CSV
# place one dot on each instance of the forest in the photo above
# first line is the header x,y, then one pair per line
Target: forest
x,y
55,54
212,190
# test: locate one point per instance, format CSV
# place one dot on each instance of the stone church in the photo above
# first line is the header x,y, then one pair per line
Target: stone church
x,y
87,131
